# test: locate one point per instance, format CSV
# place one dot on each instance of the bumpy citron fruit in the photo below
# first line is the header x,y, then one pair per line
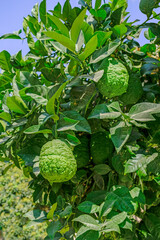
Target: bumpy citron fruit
x,y
101,147
57,162
81,152
114,81
134,90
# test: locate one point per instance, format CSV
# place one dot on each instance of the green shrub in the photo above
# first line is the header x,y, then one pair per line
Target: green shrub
x,y
15,201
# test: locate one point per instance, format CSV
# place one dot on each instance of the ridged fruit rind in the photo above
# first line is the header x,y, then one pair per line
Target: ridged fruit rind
x,y
57,162
114,81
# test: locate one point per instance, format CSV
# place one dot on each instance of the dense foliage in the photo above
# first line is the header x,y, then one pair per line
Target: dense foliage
x,y
86,79
15,202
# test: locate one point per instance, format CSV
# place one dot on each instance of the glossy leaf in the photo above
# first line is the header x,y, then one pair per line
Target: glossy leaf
x,y
143,112
88,207
87,234
36,129
16,104
89,49
122,199
5,61
88,221
52,228
77,25
139,164
42,11
97,4
61,27
51,103
146,6
105,52
120,134
10,36
65,41
103,111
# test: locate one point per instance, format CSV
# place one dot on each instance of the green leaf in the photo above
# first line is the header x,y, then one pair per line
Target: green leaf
x,y
73,68
5,116
127,224
89,48
57,10
51,212
117,4
120,30
116,16
85,93
61,27
102,37
38,99
80,42
122,199
147,6
36,215
154,27
65,41
88,207
104,111
152,222
87,31
67,211
42,12
80,125
105,52
10,36
139,164
51,103
77,25
110,226
137,195
119,218
96,197
106,207
66,9
5,61
102,169
16,104
53,228
36,129
87,234
5,78
29,155
35,11
120,134
142,112
97,4
88,221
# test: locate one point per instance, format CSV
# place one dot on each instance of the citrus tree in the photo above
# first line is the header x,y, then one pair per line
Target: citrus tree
x,y
80,116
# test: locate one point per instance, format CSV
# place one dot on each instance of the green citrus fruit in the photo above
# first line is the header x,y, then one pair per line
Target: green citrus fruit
x,y
114,81
57,162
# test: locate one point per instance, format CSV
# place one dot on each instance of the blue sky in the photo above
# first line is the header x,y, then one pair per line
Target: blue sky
x,y
13,11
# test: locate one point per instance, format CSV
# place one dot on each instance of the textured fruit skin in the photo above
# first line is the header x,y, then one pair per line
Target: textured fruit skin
x,y
101,147
134,90
57,162
114,81
81,152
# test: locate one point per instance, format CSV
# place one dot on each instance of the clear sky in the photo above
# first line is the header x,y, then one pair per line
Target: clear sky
x,y
13,11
